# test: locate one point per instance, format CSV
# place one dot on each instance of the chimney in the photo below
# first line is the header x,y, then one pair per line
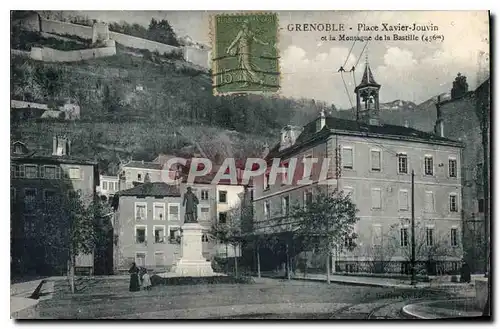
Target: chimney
x,y
439,126
321,121
61,146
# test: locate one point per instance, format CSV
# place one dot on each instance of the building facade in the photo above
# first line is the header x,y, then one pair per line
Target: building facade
x,y
108,186
463,118
39,184
373,162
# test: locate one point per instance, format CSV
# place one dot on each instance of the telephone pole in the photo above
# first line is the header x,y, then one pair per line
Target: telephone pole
x,y
413,278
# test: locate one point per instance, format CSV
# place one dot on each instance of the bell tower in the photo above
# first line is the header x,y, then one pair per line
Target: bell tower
x,y
367,98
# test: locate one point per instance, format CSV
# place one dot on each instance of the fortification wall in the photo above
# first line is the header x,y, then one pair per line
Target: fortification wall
x,y
197,56
134,42
58,27
15,104
53,55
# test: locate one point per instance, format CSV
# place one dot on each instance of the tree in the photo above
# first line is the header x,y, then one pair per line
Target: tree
x,y
324,223
431,249
460,86
229,233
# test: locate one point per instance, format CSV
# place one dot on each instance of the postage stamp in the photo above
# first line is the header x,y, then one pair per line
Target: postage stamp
x,y
245,53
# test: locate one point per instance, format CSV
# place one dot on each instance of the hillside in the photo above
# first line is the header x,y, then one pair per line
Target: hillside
x,y
138,104
399,112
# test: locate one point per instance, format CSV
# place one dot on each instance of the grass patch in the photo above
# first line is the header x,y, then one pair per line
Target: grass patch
x,y
187,280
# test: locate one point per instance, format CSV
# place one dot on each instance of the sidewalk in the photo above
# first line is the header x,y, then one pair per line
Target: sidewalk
x,y
441,309
371,281
21,305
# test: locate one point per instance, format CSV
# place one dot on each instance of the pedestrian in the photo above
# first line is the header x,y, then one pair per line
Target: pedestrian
x,y
134,278
146,281
465,272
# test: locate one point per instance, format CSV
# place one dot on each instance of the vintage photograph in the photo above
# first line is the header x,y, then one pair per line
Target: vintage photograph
x,y
319,165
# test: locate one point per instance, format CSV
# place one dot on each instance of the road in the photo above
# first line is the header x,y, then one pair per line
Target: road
x,y
265,299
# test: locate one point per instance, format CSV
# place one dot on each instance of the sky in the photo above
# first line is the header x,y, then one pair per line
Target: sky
x,y
408,70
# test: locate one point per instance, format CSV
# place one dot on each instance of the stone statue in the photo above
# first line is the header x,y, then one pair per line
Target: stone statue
x,y
191,203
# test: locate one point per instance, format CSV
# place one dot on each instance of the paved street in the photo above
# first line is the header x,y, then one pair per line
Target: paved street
x,y
266,298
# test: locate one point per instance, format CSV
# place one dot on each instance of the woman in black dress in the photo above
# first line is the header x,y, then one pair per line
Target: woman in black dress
x,y
134,278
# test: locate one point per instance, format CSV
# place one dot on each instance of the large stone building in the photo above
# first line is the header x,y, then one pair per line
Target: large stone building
x,y
39,185
373,162
462,118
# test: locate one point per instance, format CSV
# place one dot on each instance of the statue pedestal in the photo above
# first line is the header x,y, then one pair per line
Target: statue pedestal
x,y
192,262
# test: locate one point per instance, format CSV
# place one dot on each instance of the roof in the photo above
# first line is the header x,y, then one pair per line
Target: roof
x,y
351,127
51,159
144,165
156,189
367,79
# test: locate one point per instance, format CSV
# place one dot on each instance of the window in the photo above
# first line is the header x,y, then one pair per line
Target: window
x,y
308,198
428,165
266,182
117,186
159,234
452,167
51,172
128,175
479,173
204,213
429,201
429,236
377,235
267,209
173,211
140,259
159,211
174,233
402,163
348,242
284,175
49,196
29,199
74,173
204,237
31,171
204,194
480,205
403,200
159,258
140,211
404,237
453,203
347,158
19,171
222,218
140,234
285,205
375,160
376,198
222,196
454,237
104,185
139,177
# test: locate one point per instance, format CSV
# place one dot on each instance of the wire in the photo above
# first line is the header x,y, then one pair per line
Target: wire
x,y
346,90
